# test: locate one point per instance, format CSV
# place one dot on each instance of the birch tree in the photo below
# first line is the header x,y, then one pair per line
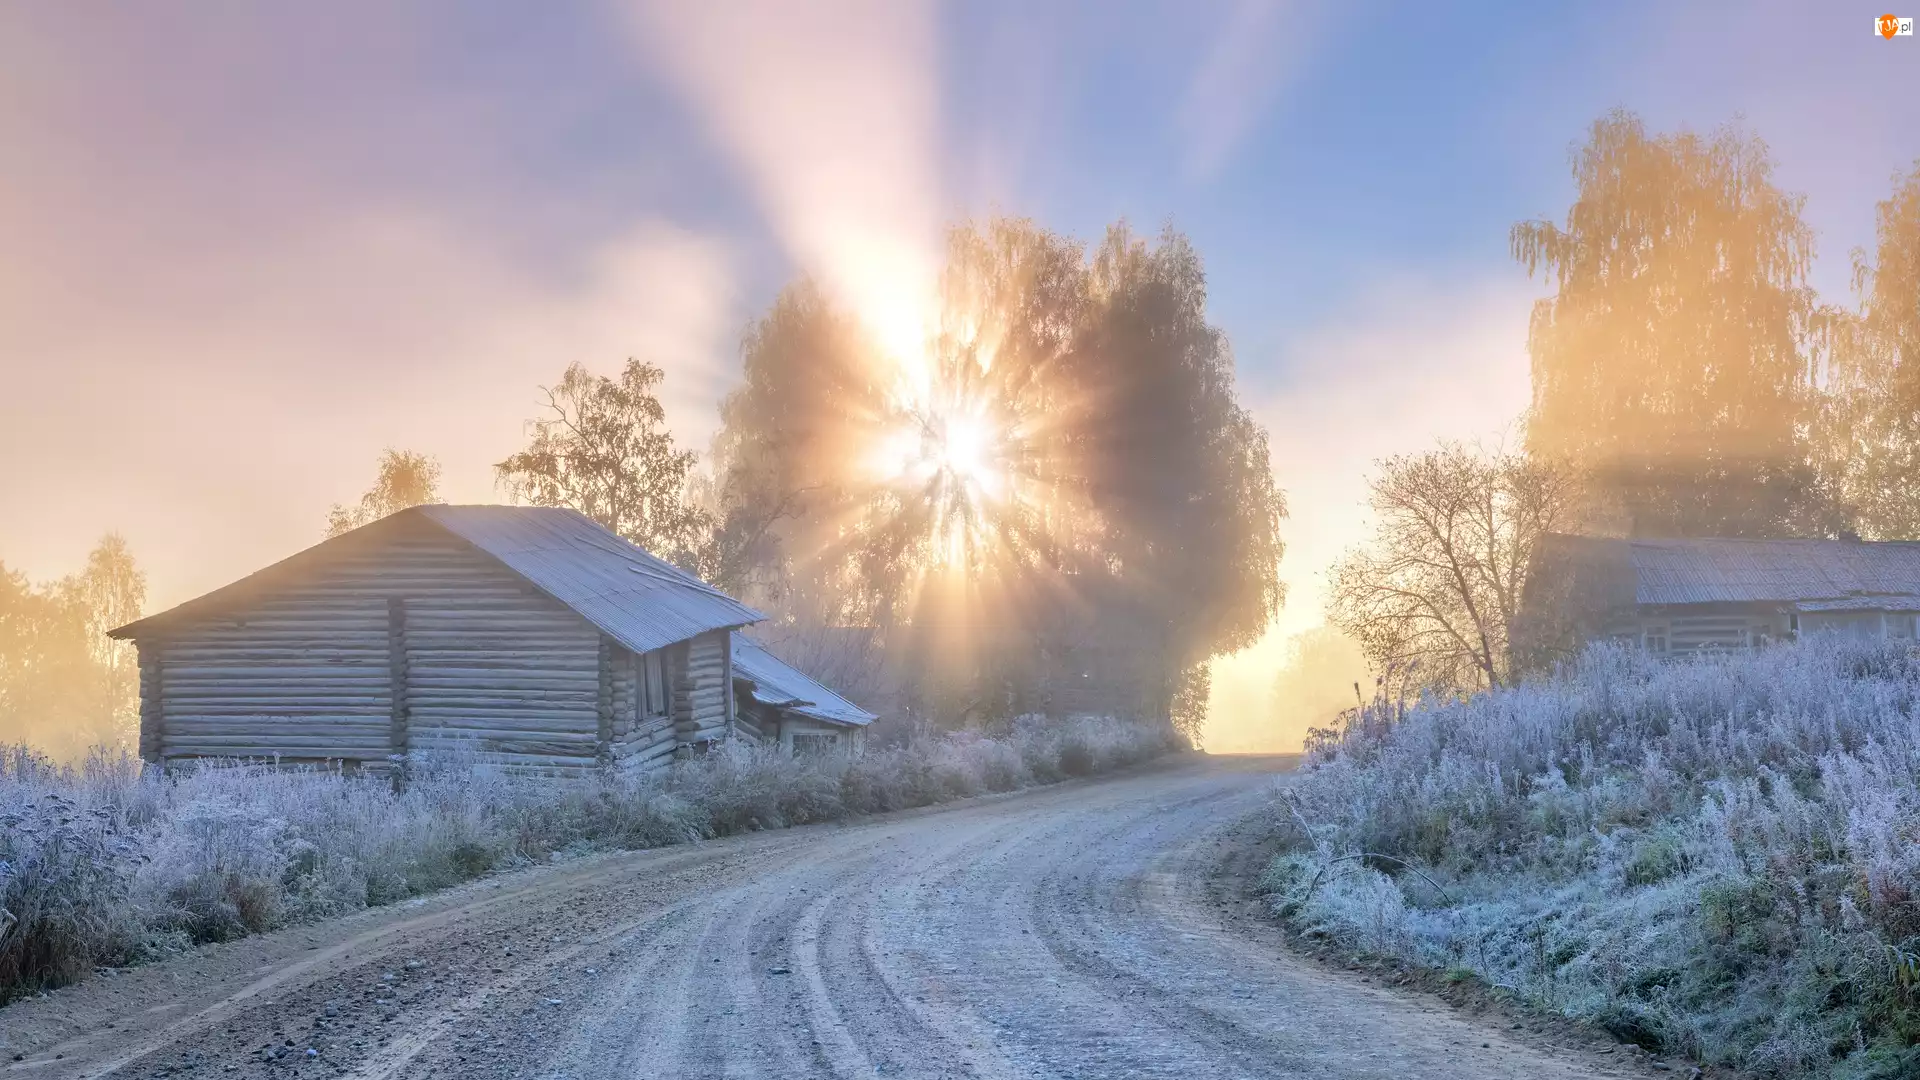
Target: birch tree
x,y
1875,399
64,685
1674,359
405,479
604,449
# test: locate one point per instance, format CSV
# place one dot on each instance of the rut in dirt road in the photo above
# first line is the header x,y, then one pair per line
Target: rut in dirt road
x,y
1072,932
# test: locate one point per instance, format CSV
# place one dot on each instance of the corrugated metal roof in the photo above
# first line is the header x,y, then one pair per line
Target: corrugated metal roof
x,y
777,684
640,601
1860,603
1705,571
643,602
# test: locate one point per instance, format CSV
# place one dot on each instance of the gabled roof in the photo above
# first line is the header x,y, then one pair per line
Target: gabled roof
x,y
1710,571
640,601
777,684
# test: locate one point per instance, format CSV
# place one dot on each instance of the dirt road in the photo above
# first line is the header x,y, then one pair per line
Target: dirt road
x,y
1078,931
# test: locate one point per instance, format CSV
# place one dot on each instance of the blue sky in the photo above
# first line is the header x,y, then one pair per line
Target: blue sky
x,y
243,247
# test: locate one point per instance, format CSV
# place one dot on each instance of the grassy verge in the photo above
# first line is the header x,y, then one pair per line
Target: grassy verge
x,y
1718,858
111,863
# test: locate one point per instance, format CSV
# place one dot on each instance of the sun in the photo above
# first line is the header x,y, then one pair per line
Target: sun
x,y
965,448
945,458
945,451
953,448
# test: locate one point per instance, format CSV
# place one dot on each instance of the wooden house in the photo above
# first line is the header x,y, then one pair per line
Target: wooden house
x,y
1686,595
531,637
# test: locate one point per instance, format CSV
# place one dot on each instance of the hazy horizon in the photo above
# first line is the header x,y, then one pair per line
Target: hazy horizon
x,y
249,251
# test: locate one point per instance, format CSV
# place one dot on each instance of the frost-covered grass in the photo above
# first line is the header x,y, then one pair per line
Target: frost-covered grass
x,y
110,863
1718,858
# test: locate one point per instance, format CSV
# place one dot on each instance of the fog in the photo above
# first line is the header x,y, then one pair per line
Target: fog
x,y
246,254
1353,400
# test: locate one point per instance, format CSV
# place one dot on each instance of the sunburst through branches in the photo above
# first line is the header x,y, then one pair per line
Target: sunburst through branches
x,y
1060,447
944,460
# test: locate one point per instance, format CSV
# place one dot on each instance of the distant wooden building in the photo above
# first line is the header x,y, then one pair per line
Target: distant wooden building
x,y
1687,595
531,637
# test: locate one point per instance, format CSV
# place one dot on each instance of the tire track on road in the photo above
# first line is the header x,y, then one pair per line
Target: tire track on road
x,y
1064,932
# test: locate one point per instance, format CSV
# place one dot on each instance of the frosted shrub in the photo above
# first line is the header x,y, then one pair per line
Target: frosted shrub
x,y
1716,857
67,865
955,767
742,788
999,764
221,870
112,863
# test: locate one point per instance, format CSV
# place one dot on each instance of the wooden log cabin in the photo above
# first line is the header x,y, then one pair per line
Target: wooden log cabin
x,y
529,638
1674,597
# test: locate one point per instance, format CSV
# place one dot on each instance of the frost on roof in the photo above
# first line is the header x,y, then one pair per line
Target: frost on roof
x,y
781,685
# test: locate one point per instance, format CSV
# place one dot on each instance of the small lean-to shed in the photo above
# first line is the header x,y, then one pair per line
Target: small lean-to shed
x,y
779,704
529,636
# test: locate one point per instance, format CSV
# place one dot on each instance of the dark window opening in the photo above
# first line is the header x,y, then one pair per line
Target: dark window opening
x,y
649,686
814,743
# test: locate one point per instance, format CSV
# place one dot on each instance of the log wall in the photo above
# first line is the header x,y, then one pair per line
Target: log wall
x,y
752,720
398,739
639,740
701,687
150,717
490,666
303,677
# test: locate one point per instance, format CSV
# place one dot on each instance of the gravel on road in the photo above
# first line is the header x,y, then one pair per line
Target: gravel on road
x,y
1094,929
